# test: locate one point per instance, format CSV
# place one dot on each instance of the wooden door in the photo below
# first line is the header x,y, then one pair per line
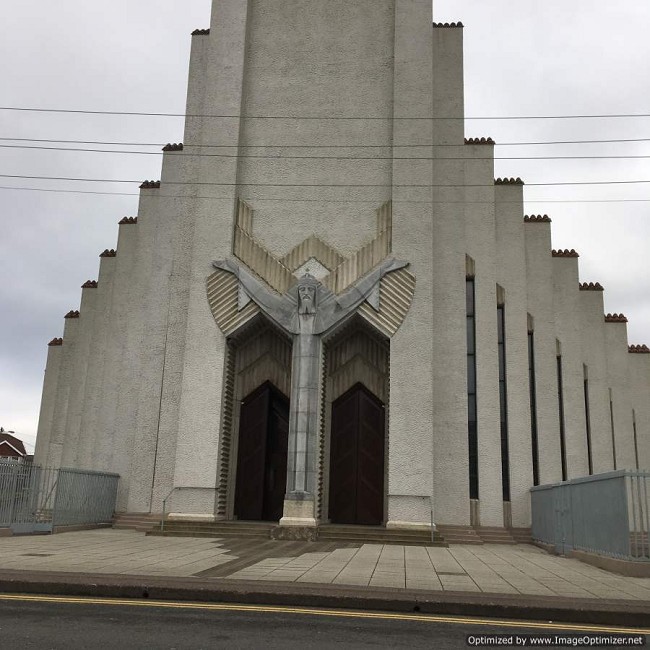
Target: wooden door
x,y
262,455
357,459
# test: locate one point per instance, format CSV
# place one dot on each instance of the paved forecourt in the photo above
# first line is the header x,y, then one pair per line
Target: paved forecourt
x,y
495,569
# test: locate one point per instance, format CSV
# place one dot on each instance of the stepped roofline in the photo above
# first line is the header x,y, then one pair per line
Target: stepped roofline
x,y
591,286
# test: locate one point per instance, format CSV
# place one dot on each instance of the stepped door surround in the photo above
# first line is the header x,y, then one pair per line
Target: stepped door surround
x,y
262,455
356,494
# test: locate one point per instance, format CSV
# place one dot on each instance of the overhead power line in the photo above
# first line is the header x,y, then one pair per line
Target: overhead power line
x,y
390,118
317,146
408,185
323,157
256,198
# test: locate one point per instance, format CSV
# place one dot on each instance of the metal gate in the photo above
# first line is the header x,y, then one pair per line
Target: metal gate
x,y
34,499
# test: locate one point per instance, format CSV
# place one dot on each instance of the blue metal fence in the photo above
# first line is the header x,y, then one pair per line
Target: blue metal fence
x,y
35,499
605,514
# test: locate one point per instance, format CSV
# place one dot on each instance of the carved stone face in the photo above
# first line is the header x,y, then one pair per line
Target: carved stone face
x,y
307,297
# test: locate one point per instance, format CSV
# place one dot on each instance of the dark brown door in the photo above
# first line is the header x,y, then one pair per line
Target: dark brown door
x,y
357,459
262,455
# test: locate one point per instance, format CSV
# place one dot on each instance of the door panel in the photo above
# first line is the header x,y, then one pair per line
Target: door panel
x,y
357,459
262,455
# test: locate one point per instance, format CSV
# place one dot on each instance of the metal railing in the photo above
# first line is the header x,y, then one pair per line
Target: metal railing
x,y
35,499
606,514
175,490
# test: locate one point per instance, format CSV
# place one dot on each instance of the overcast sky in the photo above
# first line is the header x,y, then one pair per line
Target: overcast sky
x,y
521,58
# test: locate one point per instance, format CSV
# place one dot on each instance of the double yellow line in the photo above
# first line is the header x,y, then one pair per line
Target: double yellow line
x,y
272,609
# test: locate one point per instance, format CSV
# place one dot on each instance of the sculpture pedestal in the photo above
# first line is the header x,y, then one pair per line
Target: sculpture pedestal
x,y
299,512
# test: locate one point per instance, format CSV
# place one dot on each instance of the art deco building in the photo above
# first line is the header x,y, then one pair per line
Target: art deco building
x,y
439,360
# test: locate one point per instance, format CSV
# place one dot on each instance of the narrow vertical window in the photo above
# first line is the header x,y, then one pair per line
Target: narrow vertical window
x,y
611,424
471,389
587,419
560,400
533,405
503,402
636,442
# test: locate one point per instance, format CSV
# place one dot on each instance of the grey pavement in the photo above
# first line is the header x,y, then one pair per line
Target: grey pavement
x,y
488,569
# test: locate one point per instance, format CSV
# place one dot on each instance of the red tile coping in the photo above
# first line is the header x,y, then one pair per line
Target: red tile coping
x,y
56,342
615,318
591,286
639,349
565,253
479,141
108,253
447,25
537,218
89,284
201,32
508,181
150,185
176,146
126,220
72,314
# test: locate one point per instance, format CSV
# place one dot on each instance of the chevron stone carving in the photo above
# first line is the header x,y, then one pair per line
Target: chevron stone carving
x,y
396,290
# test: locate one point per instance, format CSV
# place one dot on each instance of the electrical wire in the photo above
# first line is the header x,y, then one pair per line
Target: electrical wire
x,y
321,117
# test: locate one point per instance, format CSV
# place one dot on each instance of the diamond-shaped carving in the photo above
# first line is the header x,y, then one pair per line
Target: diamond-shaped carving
x,y
314,267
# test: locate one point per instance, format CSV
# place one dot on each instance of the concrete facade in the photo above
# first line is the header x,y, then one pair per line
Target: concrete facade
x,y
330,134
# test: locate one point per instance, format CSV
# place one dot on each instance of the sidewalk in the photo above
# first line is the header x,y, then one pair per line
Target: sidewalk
x,y
515,578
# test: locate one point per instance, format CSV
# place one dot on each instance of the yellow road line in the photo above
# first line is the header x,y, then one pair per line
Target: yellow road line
x,y
273,609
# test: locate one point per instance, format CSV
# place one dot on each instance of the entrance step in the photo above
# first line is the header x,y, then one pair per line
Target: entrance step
x,y
495,535
379,535
459,534
241,529
141,521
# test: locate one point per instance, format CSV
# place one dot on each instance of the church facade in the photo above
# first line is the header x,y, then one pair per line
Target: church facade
x,y
328,310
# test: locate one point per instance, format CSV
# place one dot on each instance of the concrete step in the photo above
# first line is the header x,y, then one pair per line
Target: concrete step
x,y
141,521
260,530
495,535
459,534
377,535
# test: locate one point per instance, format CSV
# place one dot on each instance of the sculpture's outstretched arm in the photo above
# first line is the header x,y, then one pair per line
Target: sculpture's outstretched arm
x,y
279,308
357,293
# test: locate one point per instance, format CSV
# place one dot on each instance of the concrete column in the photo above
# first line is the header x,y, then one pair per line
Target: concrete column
x,y
112,444
511,275
48,402
78,388
639,364
182,166
592,328
448,345
203,362
410,441
64,383
90,432
619,383
567,327
539,280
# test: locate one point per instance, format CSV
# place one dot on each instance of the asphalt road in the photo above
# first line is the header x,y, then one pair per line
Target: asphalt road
x,y
51,622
